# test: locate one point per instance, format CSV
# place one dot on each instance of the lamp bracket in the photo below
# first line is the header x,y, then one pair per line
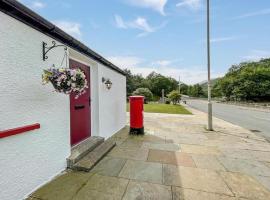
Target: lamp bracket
x,y
46,49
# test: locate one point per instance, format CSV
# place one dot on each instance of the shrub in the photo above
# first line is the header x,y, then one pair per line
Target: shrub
x,y
167,101
175,96
148,96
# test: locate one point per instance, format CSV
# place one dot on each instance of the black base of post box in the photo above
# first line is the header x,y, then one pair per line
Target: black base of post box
x,y
136,131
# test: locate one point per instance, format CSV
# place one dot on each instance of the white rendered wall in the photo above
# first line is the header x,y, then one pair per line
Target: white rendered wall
x,y
30,159
112,103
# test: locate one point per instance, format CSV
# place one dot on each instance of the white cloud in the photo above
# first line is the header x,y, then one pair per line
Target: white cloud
x,y
189,75
256,55
125,61
33,4
119,22
191,4
222,39
163,63
72,28
139,23
254,14
157,5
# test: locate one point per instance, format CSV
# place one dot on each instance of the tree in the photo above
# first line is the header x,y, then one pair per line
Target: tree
x,y
148,96
174,96
247,81
196,91
157,82
183,88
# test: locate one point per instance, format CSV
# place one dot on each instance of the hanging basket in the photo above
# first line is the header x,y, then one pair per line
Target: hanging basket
x,y
66,80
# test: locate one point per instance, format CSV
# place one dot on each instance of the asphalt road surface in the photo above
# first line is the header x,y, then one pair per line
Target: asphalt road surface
x,y
254,120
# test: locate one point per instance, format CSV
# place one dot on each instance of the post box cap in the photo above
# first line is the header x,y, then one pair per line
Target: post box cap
x,y
136,97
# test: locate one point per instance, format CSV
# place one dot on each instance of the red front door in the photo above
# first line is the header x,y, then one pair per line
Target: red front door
x,y
80,110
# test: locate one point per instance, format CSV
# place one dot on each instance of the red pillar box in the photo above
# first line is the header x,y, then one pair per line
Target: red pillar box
x,y
136,114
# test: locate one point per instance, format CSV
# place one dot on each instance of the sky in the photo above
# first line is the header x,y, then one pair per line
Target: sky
x,y
166,36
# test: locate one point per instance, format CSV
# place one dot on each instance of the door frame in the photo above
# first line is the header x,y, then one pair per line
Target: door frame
x,y
89,113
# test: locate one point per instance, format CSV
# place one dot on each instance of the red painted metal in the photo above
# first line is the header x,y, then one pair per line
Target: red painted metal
x,y
136,111
80,109
18,130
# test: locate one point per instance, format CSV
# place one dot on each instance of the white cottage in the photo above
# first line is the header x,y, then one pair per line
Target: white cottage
x,y
39,127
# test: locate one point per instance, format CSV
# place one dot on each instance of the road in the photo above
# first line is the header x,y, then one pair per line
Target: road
x,y
258,121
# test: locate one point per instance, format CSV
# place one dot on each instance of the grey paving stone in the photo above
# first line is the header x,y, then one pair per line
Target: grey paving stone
x,y
129,153
195,178
107,185
109,166
165,147
142,171
189,194
63,187
250,167
207,162
245,186
142,190
265,181
86,194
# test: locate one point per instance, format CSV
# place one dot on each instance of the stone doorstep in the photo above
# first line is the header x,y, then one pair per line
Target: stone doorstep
x,y
93,157
82,149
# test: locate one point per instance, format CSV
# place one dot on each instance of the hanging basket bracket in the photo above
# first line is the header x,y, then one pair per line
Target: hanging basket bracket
x,y
46,49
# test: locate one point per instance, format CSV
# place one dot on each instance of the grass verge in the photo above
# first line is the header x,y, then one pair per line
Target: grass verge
x,y
163,108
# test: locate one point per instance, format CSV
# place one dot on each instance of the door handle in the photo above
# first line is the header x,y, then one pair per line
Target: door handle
x,y
78,107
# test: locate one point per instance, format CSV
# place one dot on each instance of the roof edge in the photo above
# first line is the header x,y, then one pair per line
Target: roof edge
x,y
20,12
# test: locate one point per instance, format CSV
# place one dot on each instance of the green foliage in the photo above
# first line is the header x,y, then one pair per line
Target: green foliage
x,y
183,88
154,81
148,96
175,96
246,81
196,91
157,82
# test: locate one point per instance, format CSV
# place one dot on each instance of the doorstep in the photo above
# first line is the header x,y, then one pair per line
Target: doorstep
x,y
82,149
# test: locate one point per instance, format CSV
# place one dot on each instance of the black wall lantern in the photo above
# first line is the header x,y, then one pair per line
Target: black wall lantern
x,y
107,83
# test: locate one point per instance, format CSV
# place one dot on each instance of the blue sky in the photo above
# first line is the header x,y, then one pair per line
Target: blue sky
x,y
166,36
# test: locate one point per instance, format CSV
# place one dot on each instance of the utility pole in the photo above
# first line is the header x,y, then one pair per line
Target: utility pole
x,y
210,122
179,86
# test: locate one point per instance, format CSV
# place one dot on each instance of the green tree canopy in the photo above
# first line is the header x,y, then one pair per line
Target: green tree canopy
x,y
174,96
148,96
246,81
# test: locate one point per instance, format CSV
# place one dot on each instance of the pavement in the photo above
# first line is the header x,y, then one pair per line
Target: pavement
x,y
177,159
257,120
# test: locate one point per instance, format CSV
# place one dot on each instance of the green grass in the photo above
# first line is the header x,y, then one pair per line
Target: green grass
x,y
163,108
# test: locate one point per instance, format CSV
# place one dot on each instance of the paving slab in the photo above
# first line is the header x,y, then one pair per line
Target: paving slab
x,y
109,166
265,181
131,142
129,153
105,184
63,187
189,194
246,154
199,149
87,194
267,164
195,178
244,186
170,157
207,162
250,167
165,147
141,190
142,171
